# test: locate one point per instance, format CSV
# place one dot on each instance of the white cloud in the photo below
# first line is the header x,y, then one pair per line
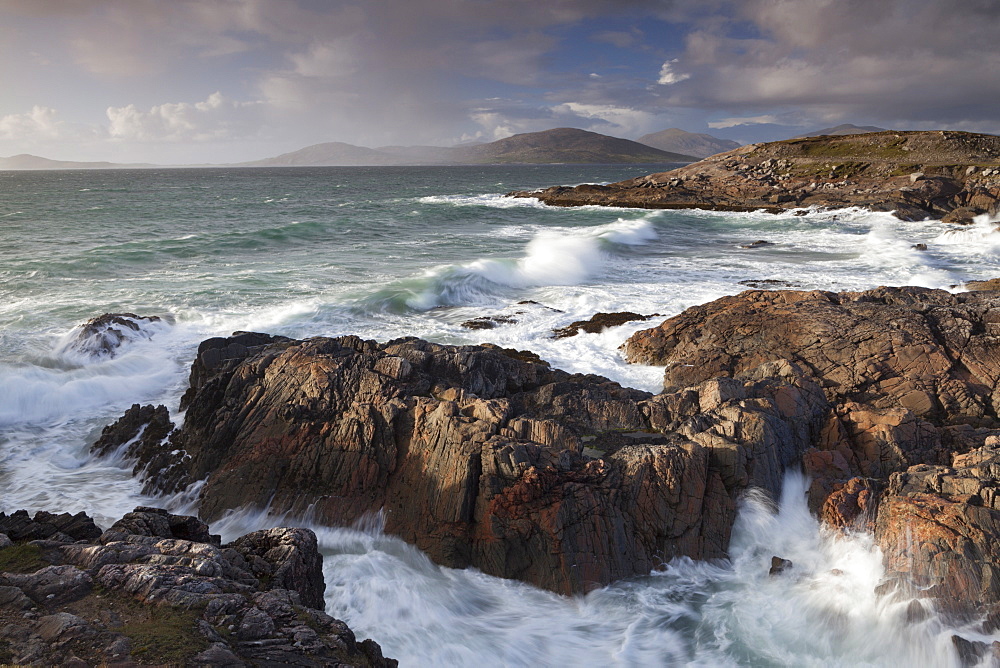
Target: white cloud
x,y
744,120
216,118
38,124
612,119
669,76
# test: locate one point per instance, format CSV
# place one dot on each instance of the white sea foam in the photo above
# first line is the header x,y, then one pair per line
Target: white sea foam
x,y
492,200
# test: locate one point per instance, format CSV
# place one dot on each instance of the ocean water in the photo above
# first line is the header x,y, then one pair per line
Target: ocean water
x,y
389,252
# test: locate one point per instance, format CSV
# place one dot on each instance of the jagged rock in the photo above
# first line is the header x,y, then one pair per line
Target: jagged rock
x,y
598,323
18,526
292,558
940,527
225,614
145,521
852,504
990,284
475,453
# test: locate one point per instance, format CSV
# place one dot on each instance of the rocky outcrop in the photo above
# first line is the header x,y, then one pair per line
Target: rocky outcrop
x,y
477,455
914,174
939,528
908,447
159,589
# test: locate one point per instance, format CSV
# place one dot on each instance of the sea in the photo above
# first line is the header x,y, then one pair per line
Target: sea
x,y
417,251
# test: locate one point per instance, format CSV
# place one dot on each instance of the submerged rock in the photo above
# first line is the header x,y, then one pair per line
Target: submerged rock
x,y
104,335
598,323
154,598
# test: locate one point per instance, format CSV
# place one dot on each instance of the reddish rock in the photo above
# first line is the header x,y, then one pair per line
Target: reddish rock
x,y
475,454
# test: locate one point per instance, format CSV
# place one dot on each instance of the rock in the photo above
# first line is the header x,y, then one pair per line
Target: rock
x,y
52,584
886,348
475,453
18,526
757,244
852,504
5,541
961,216
970,652
940,527
153,598
919,247
489,321
105,334
779,566
293,559
598,323
144,521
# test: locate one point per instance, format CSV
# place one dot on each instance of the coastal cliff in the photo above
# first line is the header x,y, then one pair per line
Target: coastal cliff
x,y
917,175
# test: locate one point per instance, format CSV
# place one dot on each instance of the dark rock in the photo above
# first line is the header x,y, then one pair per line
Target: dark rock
x,y
919,247
18,526
598,323
144,521
757,244
292,558
779,566
916,612
105,334
766,283
52,584
970,652
489,321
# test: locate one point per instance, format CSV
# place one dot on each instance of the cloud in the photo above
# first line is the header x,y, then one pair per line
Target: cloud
x,y
39,123
214,119
669,76
746,120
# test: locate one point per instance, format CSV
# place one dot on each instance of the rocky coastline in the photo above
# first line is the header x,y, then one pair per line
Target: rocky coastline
x,y
480,456
916,175
159,589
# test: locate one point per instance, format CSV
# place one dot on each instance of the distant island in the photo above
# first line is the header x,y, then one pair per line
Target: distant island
x,y
916,175
557,146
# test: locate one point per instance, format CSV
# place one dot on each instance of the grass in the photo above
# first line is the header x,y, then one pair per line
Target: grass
x,y
23,558
164,635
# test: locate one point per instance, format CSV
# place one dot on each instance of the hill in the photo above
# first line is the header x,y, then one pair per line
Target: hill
x,y
845,129
563,145
697,144
916,175
27,161
329,154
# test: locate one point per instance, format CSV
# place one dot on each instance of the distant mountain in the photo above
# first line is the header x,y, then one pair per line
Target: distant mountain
x,y
27,161
845,129
698,144
564,145
330,154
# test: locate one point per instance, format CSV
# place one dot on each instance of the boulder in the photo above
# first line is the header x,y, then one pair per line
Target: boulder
x,y
104,335
598,323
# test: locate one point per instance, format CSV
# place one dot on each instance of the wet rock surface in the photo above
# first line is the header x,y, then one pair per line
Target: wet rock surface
x,y
916,175
476,454
154,598
104,335
908,448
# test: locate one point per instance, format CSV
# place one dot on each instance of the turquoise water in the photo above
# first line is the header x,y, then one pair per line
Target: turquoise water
x,y
388,252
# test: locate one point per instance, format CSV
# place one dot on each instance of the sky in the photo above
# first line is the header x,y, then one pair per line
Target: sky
x,y
221,81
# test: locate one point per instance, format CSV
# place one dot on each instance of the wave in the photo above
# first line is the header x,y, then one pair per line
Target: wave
x,y
559,256
492,200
